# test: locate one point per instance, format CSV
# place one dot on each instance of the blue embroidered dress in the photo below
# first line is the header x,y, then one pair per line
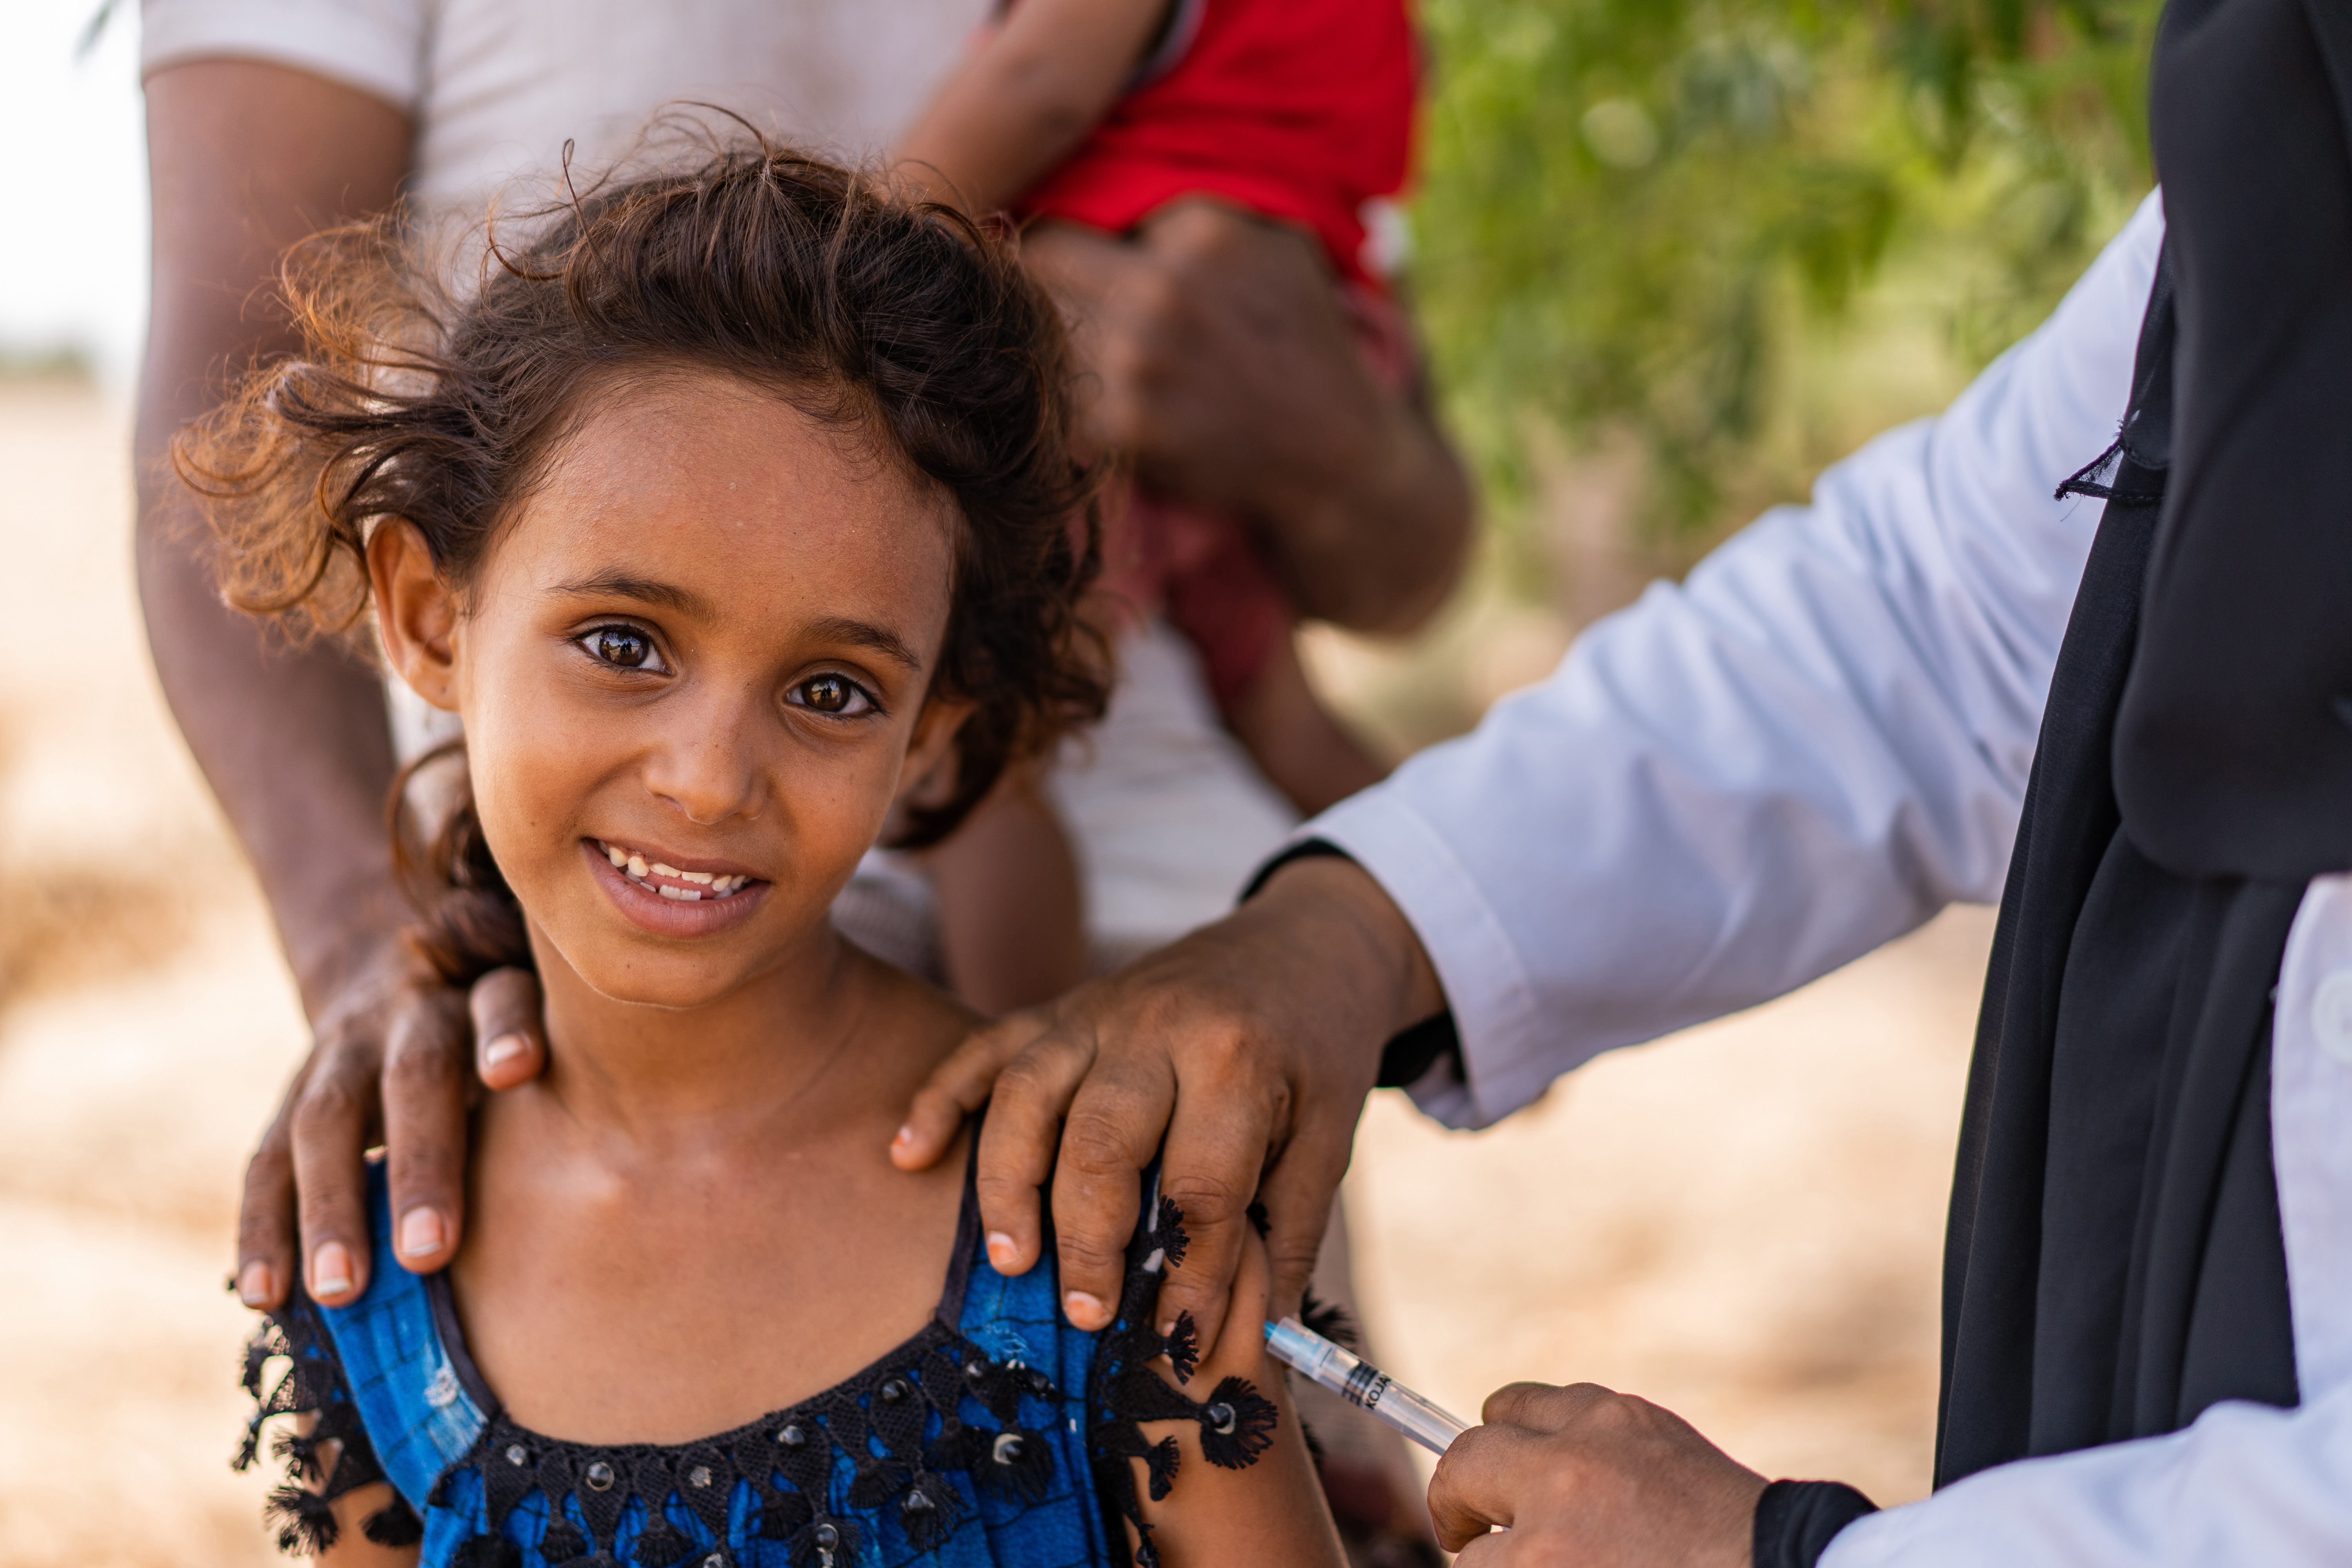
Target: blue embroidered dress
x,y
997,1436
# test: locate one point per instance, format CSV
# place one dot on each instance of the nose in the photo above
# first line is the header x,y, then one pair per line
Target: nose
x,y
706,766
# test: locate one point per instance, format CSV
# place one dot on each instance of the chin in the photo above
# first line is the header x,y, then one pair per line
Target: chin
x,y
624,968
668,984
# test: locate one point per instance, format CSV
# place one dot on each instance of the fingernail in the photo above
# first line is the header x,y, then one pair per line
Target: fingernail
x,y
253,1284
906,1134
1003,1253
421,1232
1084,1310
330,1270
1168,1328
504,1049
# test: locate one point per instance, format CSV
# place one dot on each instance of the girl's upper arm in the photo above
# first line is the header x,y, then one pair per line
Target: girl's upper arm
x,y
1272,1511
334,1505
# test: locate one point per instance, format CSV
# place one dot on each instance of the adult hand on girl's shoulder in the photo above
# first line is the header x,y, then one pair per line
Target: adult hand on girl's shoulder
x,y
388,1060
1240,1056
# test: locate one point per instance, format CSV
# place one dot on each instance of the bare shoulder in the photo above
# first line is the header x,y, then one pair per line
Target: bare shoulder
x,y
924,1019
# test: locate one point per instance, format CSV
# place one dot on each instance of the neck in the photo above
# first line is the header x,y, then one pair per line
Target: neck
x,y
775,1047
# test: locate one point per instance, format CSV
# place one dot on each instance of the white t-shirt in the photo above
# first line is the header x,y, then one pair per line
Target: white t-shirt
x,y
497,86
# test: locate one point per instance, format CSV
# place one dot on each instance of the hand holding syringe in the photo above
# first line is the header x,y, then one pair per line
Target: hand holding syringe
x,y
1360,1383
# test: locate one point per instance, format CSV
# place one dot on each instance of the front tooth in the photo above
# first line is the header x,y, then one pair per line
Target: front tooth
x,y
637,865
662,870
618,856
705,877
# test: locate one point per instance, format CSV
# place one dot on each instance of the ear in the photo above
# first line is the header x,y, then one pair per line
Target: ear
x,y
416,613
930,750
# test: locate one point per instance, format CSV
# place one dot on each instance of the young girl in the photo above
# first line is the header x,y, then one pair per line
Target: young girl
x,y
730,510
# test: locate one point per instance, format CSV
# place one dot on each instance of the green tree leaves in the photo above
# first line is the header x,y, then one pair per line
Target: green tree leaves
x,y
1633,211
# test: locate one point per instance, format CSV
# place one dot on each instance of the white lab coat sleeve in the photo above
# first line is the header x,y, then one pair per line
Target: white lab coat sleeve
x,y
1823,737
2245,1484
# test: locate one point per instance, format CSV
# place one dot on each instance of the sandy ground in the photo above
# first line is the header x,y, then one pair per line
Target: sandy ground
x,y
1742,1222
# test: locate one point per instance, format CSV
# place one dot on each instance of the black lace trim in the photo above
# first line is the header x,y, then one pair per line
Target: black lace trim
x,y
302,1508
880,1420
1236,1421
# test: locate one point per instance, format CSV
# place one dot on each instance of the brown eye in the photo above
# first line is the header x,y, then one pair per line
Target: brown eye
x,y
623,646
836,696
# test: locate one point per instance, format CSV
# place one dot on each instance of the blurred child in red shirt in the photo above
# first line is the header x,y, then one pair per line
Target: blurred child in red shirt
x,y
1103,113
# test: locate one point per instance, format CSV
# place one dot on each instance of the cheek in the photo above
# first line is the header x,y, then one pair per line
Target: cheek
x,y
534,757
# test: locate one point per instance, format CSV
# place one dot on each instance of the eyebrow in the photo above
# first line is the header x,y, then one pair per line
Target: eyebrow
x,y
645,590
865,634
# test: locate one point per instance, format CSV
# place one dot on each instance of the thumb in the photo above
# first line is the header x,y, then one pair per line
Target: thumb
x,y
1478,1483
509,1032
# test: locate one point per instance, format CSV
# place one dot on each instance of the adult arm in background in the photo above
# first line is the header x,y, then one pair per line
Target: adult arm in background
x,y
1224,368
245,158
1726,789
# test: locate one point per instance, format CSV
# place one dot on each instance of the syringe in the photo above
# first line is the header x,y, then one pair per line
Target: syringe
x,y
1359,1381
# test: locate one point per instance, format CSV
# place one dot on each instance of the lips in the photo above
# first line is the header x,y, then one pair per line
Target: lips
x,y
666,899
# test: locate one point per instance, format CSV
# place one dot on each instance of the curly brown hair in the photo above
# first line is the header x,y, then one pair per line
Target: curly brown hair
x,y
903,320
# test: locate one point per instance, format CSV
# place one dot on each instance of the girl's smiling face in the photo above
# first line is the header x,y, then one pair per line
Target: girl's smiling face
x,y
703,643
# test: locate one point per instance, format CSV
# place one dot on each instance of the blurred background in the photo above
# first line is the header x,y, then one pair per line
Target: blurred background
x,y
1672,259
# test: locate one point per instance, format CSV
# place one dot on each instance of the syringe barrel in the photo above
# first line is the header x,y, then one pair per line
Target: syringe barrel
x,y
1360,1383
1417,1418
1324,1364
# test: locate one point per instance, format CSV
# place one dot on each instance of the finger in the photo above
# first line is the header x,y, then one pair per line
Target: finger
x,y
1017,1144
509,1027
425,1124
1299,1192
1114,1127
1541,1406
331,1120
265,1221
1478,1483
958,1086
1216,1149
